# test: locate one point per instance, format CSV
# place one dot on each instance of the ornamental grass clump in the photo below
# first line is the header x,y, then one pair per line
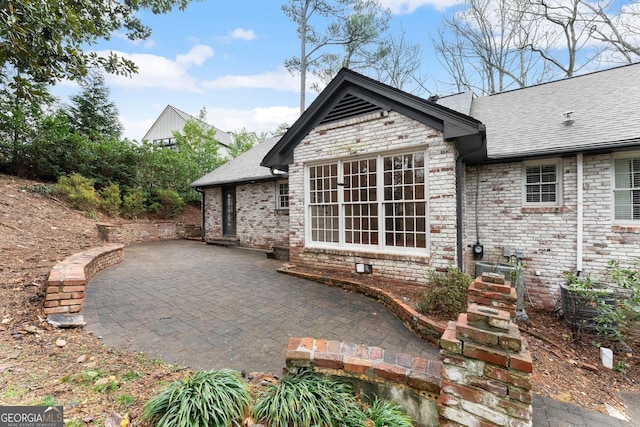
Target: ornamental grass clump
x,y
304,399
383,413
204,399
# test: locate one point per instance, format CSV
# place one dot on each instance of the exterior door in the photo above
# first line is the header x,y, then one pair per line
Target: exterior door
x,y
229,211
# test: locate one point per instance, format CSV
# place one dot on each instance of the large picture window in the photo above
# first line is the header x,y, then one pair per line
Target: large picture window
x,y
627,188
372,203
541,182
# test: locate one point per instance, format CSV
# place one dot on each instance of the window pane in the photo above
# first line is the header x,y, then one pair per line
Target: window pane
x,y
627,189
541,184
405,204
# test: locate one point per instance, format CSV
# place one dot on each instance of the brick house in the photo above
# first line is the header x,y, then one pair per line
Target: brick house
x,y
245,203
378,177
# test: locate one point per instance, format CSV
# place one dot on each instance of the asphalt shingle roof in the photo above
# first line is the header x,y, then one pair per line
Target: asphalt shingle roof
x,y
244,168
529,121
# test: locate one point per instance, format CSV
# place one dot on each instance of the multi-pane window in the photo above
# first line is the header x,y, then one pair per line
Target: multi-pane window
x,y
627,188
404,201
323,203
377,202
360,202
282,196
541,184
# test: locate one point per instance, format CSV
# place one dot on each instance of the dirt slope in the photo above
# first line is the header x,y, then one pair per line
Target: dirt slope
x,y
91,381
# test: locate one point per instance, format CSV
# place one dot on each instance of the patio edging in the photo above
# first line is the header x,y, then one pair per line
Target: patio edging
x,y
426,328
68,279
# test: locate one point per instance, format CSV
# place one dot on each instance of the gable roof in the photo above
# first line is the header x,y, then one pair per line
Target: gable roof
x,y
527,122
351,94
460,102
244,168
172,119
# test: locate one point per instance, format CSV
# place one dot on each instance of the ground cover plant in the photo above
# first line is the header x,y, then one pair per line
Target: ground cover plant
x,y
203,399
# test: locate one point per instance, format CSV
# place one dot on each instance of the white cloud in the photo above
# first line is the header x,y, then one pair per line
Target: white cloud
x,y
279,79
159,72
136,129
196,56
400,7
262,119
242,34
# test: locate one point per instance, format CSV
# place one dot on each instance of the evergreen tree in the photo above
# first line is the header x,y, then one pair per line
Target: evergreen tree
x,y
92,113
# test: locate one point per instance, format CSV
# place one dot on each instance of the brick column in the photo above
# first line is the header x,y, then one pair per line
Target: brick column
x,y
486,367
494,291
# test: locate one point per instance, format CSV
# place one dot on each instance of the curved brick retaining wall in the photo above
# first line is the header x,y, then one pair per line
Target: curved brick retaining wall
x,y
426,328
410,381
482,378
69,278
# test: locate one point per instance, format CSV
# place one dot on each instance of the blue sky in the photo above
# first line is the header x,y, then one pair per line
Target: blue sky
x,y
227,56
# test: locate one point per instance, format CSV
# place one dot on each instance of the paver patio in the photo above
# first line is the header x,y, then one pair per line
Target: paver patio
x,y
210,307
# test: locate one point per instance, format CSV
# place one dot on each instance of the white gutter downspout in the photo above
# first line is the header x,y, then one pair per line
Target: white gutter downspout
x,y
580,212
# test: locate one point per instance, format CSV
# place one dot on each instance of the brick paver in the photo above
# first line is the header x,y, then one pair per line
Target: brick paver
x,y
210,307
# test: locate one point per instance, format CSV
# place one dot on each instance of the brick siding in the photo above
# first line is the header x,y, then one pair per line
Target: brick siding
x,y
547,236
370,135
258,223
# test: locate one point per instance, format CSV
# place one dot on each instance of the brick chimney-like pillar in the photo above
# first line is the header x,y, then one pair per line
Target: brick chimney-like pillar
x,y
486,366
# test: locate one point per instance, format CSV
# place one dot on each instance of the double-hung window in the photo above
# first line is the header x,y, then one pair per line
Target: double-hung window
x,y
374,203
282,195
541,184
626,190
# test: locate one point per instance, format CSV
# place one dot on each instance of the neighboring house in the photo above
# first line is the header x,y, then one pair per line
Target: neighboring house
x,y
173,120
245,203
549,174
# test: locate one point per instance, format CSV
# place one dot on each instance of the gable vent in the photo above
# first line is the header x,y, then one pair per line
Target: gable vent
x,y
350,106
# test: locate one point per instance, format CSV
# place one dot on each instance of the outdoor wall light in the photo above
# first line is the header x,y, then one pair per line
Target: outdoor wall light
x,y
364,268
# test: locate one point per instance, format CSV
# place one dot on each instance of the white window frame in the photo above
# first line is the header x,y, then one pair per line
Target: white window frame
x,y
280,197
634,187
558,182
381,246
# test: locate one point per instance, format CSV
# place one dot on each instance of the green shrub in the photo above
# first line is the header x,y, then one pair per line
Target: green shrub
x,y
133,203
44,189
168,204
627,282
204,399
304,399
79,191
383,413
447,295
111,199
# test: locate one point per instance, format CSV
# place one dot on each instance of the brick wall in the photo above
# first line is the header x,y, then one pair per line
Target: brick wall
x,y
410,381
547,236
481,379
259,224
372,134
138,232
69,278
486,366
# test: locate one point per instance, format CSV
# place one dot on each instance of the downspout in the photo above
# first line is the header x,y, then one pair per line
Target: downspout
x,y
459,208
579,212
459,242
202,210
